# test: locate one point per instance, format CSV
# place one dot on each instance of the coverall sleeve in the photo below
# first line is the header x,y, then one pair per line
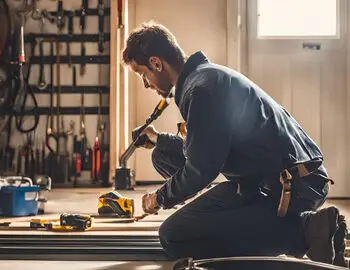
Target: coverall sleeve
x,y
167,141
207,146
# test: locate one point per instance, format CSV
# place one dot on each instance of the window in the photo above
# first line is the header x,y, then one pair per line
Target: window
x,y
297,18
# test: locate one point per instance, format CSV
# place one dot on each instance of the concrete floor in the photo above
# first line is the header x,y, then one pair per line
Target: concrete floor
x,y
84,200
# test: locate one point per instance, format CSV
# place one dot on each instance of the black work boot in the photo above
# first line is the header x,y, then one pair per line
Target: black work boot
x,y
320,229
339,242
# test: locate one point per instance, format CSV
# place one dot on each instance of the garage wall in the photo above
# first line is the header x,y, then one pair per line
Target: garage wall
x,y
311,84
197,25
95,74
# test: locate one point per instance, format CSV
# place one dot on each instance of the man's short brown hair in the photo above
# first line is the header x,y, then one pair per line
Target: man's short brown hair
x,y
152,39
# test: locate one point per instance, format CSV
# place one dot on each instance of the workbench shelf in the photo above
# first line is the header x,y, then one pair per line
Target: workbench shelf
x,y
68,89
74,59
28,38
62,111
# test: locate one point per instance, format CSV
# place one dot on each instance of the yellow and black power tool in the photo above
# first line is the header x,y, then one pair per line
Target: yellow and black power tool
x,y
114,204
66,222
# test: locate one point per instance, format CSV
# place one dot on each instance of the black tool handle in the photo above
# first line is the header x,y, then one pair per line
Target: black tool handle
x,y
41,82
43,159
70,33
70,23
100,26
3,160
74,77
60,19
37,161
48,141
19,161
83,53
84,7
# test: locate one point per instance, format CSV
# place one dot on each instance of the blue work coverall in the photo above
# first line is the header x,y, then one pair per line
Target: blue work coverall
x,y
234,128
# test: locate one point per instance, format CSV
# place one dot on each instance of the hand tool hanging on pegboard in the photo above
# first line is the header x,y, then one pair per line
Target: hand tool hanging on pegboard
x,y
104,169
72,166
82,25
2,154
43,158
96,151
9,152
62,146
37,157
70,33
24,90
77,156
29,159
5,21
82,145
100,26
5,94
51,140
9,49
60,18
41,80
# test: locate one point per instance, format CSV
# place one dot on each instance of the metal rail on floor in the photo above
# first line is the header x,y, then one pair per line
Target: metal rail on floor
x,y
76,247
82,247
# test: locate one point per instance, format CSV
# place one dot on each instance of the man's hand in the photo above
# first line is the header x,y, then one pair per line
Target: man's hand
x,y
152,135
149,203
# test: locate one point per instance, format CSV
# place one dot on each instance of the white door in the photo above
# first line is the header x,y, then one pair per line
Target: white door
x,y
297,52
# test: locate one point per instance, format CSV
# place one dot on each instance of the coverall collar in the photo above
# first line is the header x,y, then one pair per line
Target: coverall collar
x,y
191,64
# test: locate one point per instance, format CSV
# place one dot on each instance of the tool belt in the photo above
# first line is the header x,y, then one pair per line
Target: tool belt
x,y
286,178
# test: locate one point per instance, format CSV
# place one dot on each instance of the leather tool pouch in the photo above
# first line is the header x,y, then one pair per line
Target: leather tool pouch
x,y
308,188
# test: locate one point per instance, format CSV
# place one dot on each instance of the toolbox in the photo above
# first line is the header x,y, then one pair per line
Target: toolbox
x,y
18,196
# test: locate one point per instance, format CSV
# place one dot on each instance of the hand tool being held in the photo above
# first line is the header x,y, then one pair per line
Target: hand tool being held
x,y
123,174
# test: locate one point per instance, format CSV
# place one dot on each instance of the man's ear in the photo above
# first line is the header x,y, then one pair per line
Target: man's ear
x,y
156,63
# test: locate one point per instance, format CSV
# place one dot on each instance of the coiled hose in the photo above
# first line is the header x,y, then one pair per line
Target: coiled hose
x,y
20,110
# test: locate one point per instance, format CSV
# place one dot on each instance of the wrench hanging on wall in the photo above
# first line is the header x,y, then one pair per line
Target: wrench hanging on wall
x,y
60,19
100,26
41,82
70,33
82,25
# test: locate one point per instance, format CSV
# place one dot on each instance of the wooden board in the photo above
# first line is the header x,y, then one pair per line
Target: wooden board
x,y
136,226
96,218
87,233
